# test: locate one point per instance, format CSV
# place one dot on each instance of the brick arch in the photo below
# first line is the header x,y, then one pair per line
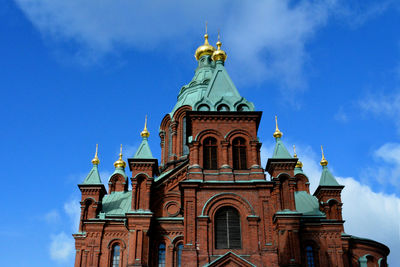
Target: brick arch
x,y
227,199
180,112
114,241
236,133
283,175
110,246
302,182
208,133
165,122
142,174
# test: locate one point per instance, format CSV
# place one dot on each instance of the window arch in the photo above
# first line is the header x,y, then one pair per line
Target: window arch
x,y
185,148
227,228
115,254
239,154
210,159
161,255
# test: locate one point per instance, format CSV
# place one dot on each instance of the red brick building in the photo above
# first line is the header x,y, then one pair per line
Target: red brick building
x,y
209,202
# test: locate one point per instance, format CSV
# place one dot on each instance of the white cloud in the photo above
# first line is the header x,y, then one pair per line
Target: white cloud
x,y
341,115
61,247
52,217
73,210
264,39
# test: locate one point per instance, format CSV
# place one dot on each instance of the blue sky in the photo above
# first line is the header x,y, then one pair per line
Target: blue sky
x,y
73,74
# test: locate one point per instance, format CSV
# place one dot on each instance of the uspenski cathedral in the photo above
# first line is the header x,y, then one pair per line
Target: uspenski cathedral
x,y
208,201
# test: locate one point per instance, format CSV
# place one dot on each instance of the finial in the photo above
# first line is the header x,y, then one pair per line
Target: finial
x,y
205,49
220,54
299,164
96,160
323,162
145,133
277,133
120,162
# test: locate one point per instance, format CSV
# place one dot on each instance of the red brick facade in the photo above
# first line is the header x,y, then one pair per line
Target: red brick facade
x,y
173,206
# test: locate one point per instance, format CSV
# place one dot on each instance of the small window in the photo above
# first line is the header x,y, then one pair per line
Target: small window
x,y
115,256
170,141
161,255
242,107
178,256
203,107
210,154
223,107
310,256
239,154
227,229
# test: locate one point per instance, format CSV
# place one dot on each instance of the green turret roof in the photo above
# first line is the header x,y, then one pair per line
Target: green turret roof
x,y
119,170
143,151
280,151
327,179
93,177
211,87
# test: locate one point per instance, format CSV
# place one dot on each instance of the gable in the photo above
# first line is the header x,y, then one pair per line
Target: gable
x,y
229,259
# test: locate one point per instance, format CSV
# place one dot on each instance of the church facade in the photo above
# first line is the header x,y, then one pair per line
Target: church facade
x,y
208,201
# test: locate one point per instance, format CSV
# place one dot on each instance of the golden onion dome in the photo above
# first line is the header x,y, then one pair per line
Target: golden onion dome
x,y
323,162
120,162
219,55
277,133
299,164
205,49
96,159
145,133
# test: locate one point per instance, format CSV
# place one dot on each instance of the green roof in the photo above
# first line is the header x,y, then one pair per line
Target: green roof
x,y
307,204
327,178
210,87
298,170
93,177
117,203
280,151
143,151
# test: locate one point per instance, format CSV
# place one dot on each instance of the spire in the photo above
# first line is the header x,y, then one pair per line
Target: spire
x,y
280,151
299,164
120,163
323,161
205,49
144,151
219,55
277,133
93,177
327,179
96,160
145,133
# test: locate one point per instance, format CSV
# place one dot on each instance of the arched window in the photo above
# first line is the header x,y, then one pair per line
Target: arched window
x,y
210,154
239,154
184,137
161,255
178,255
227,228
310,256
169,141
115,255
223,107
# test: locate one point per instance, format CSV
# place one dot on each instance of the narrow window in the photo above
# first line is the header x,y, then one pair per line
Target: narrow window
x,y
184,137
227,228
239,154
170,141
179,255
310,256
161,255
115,256
210,154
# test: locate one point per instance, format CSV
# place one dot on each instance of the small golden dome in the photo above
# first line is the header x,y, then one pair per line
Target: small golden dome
x,y
323,162
96,160
120,162
219,55
145,133
205,49
299,164
277,133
